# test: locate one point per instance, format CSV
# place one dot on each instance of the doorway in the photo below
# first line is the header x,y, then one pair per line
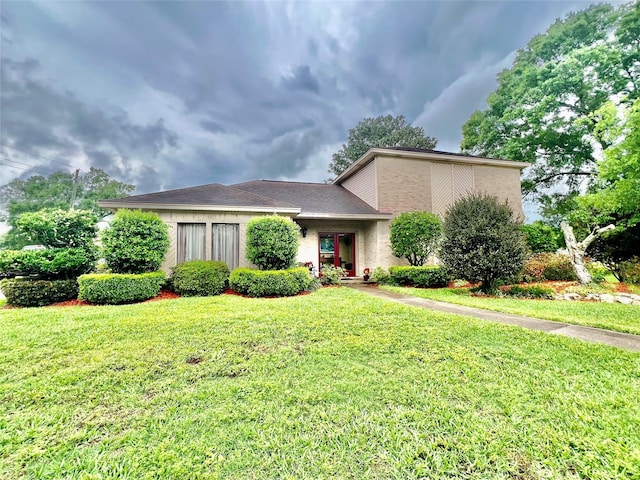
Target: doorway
x,y
338,250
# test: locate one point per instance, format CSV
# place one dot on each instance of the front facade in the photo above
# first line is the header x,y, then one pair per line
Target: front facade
x,y
344,223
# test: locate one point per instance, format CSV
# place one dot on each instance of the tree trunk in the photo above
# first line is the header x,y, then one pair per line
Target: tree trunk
x,y
577,249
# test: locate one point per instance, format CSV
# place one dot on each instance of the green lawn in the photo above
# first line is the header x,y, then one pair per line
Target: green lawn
x,y
335,384
611,316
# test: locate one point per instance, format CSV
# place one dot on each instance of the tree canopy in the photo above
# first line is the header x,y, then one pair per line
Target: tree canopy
x,y
548,105
381,131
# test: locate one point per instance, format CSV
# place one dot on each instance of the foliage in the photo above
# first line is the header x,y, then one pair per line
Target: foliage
x,y
116,288
55,263
59,228
414,236
548,266
380,275
331,275
615,248
136,242
272,242
336,384
200,278
630,270
542,237
271,283
381,131
24,292
426,277
547,106
528,291
482,241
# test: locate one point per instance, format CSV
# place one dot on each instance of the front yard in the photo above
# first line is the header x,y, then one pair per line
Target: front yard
x,y
335,384
617,317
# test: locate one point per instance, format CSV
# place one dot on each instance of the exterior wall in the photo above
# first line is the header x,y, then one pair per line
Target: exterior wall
x,y
363,184
502,182
403,184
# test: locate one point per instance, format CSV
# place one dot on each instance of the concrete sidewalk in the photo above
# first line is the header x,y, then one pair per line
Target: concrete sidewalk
x,y
589,334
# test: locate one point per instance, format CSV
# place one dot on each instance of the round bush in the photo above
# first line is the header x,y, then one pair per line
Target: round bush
x,y
414,236
482,241
136,242
200,278
26,292
272,242
548,266
117,288
271,283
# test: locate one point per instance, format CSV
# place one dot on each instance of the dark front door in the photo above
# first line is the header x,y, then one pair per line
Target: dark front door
x,y
339,250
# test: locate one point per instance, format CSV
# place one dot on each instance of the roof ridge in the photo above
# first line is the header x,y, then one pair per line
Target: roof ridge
x,y
233,187
278,181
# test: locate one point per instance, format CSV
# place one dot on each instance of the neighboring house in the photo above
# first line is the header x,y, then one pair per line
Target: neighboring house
x,y
344,223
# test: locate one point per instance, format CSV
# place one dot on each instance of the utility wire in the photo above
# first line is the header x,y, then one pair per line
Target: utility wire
x,y
36,155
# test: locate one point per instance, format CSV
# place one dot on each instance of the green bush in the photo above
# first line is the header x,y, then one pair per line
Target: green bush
x,y
482,241
542,237
136,242
414,236
528,291
380,275
272,242
26,292
57,228
117,288
331,275
548,266
54,263
616,248
200,278
630,271
271,283
428,277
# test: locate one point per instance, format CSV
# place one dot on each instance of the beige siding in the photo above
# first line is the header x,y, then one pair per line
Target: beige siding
x,y
363,184
403,184
441,187
501,182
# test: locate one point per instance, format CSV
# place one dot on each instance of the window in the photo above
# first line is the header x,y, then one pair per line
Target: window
x,y
191,241
225,243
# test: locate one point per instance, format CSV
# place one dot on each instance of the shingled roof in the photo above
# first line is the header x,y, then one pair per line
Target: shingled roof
x,y
315,199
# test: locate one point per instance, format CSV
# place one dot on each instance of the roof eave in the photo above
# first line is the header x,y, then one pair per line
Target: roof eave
x,y
184,206
452,158
344,216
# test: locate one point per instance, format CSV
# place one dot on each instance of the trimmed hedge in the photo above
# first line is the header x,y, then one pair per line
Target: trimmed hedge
x,y
271,283
427,277
117,288
26,292
548,266
527,291
54,263
199,278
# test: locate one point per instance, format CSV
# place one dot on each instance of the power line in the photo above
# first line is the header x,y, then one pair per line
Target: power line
x,y
36,155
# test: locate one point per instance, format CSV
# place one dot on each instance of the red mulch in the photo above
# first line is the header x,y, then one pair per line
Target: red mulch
x,y
163,295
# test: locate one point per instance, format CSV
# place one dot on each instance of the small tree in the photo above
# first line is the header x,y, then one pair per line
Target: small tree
x,y
482,241
56,228
542,237
272,242
136,242
414,236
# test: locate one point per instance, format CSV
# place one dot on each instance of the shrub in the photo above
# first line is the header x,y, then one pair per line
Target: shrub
x,y
380,275
630,271
616,248
271,283
54,263
542,237
331,275
428,277
57,228
528,291
114,288
414,236
25,292
136,242
482,241
272,242
548,266
200,278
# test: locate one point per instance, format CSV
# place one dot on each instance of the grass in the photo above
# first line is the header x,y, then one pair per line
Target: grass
x,y
335,384
610,316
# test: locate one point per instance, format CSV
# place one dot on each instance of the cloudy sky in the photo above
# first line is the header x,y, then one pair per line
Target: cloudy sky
x,y
173,94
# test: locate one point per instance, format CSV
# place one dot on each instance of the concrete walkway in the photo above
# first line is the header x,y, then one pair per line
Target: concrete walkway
x,y
589,334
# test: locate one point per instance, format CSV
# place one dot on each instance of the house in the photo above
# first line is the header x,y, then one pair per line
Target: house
x,y
344,223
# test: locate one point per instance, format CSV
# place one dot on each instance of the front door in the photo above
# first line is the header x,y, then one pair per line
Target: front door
x,y
339,250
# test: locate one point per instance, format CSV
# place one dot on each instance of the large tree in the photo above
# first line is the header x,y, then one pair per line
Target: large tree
x,y
58,190
381,131
546,107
